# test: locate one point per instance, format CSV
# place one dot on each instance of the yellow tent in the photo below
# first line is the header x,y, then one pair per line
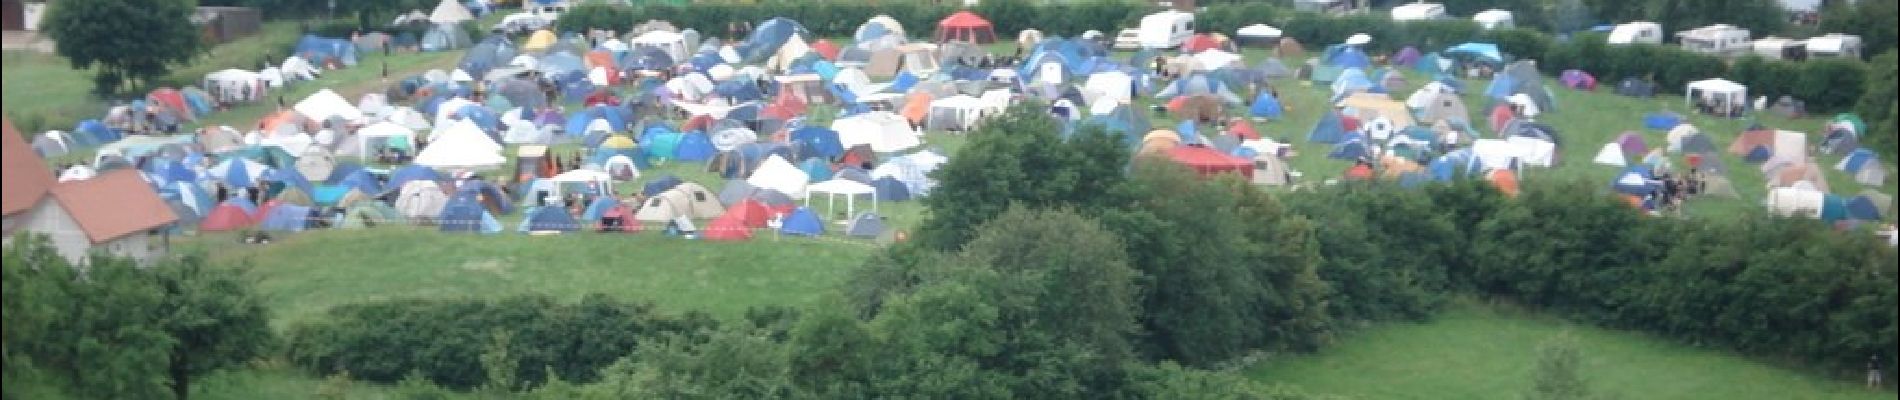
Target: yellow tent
x,y
617,142
541,40
1159,141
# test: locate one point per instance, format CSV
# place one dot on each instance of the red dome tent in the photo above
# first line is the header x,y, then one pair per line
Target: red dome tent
x,y
826,49
966,26
1209,162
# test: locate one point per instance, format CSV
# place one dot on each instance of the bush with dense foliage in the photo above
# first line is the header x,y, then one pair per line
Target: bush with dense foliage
x,y
117,330
446,340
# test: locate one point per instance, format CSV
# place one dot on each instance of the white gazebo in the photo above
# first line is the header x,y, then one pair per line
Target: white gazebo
x,y
848,188
1726,97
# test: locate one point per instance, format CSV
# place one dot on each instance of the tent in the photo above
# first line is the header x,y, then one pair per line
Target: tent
x,y
465,213
549,219
1482,52
1577,79
233,214
884,131
1726,96
420,199
1870,206
1209,162
1329,130
802,222
1522,78
777,174
326,104
1265,106
689,200
1864,166
462,145
732,225
1796,202
282,217
1633,87
965,26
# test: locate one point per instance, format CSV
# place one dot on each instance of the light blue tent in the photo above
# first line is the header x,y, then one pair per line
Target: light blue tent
x,y
464,213
1351,80
548,219
1485,52
286,218
891,189
1266,106
1661,121
817,169
1330,129
695,146
1347,57
802,222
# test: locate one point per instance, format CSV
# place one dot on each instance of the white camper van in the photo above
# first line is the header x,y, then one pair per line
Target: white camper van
x,y
1718,39
1781,48
1834,45
1166,29
1495,19
1636,33
1418,12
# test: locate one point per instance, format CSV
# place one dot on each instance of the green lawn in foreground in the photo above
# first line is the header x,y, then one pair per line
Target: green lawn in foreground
x,y
1486,352
304,274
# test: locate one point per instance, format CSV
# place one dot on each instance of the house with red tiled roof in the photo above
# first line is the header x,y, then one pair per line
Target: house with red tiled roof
x,y
115,212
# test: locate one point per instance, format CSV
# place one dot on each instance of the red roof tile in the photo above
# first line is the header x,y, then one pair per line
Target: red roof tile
x,y
112,205
24,176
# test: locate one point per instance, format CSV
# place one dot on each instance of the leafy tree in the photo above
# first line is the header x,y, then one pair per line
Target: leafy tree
x,y
126,39
1087,289
1558,375
1017,157
728,364
1171,381
1877,101
216,317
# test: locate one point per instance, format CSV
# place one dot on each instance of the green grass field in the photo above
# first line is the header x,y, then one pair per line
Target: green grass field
x,y
1487,352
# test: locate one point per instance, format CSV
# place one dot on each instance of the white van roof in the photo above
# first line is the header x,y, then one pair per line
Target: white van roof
x,y
1418,11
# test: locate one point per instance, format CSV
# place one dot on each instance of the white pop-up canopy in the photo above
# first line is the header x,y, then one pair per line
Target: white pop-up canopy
x,y
849,188
1722,92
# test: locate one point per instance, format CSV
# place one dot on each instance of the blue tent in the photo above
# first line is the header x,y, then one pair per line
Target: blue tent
x,y
902,83
802,222
1351,148
1759,154
286,218
816,168
328,195
364,181
695,146
1447,167
1635,180
322,50
237,173
1857,159
1330,129
92,133
891,189
290,178
409,173
819,141
767,37
485,193
241,202
483,117
1190,134
1486,52
167,170
599,208
1266,106
1349,81
1833,208
1347,57
1661,121
465,214
543,219
661,184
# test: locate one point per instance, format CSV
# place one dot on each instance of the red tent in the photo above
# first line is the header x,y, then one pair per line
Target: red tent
x,y
751,213
1359,172
1500,115
226,217
785,106
1209,161
1242,129
1199,43
170,99
826,49
728,227
966,26
601,97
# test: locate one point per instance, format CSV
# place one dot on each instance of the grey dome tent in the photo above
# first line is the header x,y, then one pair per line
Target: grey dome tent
x,y
865,226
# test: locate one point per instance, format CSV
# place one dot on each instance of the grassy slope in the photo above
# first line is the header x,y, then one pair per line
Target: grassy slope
x,y
1483,352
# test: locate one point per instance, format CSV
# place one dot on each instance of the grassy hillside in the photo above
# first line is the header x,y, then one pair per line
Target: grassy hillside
x,y
1487,352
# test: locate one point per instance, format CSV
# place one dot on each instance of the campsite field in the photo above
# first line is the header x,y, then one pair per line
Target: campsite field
x,y
1474,351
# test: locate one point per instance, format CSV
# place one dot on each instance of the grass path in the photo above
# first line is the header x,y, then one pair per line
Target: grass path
x,y
1484,352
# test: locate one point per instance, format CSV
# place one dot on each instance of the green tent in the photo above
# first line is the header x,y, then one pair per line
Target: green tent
x,y
368,214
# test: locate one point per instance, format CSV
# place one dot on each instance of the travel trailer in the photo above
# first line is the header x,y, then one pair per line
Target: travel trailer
x,y
1636,33
1166,29
1718,39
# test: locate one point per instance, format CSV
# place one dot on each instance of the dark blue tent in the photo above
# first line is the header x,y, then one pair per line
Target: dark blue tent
x,y
1635,180
739,90
92,133
1864,207
463,213
342,170
1352,148
555,219
364,181
1330,129
1661,121
802,222
767,37
817,142
290,178
322,50
891,189
662,184
1758,155
489,195
1347,57
411,173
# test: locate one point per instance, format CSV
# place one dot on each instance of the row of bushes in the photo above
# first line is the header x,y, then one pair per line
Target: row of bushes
x,y
464,344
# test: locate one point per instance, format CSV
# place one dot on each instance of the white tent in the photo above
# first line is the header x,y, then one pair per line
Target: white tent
x,y
407,117
1679,133
1720,92
778,174
296,68
421,199
1214,59
849,188
1261,31
584,176
955,113
1526,105
389,131
235,85
672,43
690,87
450,12
81,172
1534,151
913,170
884,131
292,143
1110,87
794,48
1611,154
1795,202
462,145
326,104
1495,19
1358,39
1493,153
1428,92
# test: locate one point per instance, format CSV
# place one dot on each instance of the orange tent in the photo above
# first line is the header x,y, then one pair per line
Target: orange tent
x,y
1359,172
1505,181
728,227
600,58
1750,140
916,107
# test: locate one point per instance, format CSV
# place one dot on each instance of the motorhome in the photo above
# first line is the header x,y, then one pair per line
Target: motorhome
x,y
1834,45
1418,12
1780,48
1640,32
1166,29
1718,39
1495,19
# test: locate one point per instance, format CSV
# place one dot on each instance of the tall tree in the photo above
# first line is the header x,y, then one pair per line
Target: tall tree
x,y
128,39
216,317
1086,290
1018,157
